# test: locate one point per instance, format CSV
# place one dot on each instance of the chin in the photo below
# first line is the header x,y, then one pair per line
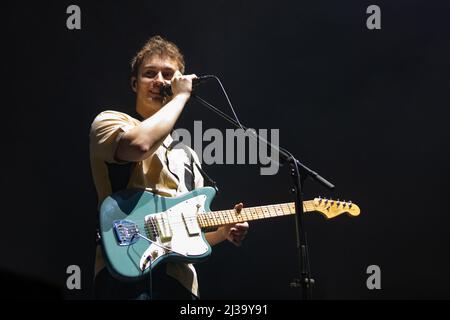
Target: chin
x,y
154,102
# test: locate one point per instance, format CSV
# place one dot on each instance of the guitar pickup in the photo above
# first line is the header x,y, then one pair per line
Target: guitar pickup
x,y
163,226
190,221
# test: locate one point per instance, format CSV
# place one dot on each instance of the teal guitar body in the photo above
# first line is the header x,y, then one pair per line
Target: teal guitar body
x,y
139,230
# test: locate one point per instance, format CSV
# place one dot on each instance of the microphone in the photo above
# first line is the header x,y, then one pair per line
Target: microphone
x,y
166,90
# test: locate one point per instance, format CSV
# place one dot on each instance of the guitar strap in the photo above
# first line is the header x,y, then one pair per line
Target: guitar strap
x,y
189,173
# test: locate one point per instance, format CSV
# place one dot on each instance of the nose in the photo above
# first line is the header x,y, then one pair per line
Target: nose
x,y
159,78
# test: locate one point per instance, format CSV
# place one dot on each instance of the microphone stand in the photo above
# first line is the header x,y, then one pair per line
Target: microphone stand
x,y
299,173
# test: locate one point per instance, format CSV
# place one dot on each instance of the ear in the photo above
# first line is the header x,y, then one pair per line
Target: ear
x,y
134,84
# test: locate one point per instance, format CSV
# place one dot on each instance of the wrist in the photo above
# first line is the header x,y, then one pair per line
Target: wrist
x,y
182,96
216,236
223,233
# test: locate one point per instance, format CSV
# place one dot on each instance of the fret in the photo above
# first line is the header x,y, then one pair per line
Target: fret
x,y
231,216
220,215
265,211
272,211
226,217
245,214
253,212
286,209
256,214
220,218
211,219
279,210
215,216
259,211
204,219
200,220
241,217
275,211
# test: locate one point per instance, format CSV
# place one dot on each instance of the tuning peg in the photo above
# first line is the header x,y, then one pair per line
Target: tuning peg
x,y
350,203
338,203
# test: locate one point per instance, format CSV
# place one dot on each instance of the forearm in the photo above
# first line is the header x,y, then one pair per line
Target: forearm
x,y
143,140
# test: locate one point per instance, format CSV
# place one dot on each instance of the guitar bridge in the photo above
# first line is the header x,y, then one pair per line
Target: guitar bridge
x,y
126,232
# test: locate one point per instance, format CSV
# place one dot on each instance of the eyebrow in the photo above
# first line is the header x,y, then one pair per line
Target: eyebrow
x,y
165,68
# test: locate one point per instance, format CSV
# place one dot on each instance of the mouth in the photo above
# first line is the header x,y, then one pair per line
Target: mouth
x,y
153,94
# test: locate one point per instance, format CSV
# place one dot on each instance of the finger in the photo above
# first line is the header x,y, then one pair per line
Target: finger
x,y
240,234
239,230
238,207
241,226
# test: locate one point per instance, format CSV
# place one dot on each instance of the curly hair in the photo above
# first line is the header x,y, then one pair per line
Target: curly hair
x,y
159,46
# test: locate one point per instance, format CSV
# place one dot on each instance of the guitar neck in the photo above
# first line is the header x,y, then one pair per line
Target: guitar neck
x,y
219,218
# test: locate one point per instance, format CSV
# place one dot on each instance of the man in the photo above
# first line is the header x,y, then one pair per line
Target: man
x,y
157,165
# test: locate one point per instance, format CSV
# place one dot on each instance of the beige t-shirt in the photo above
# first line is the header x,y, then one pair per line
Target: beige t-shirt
x,y
162,173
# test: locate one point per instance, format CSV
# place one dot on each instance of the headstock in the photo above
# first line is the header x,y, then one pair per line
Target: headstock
x,y
333,208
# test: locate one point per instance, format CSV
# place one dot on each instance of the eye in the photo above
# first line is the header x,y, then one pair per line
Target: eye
x,y
168,75
150,73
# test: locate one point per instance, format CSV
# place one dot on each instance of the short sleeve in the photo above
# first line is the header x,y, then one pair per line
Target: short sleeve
x,y
105,133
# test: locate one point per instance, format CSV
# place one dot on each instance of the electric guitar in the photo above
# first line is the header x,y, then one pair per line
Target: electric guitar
x,y
140,229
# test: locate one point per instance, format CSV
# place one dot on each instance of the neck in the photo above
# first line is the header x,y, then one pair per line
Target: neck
x,y
223,217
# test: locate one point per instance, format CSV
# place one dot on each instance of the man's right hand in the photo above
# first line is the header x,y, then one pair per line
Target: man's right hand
x,y
182,84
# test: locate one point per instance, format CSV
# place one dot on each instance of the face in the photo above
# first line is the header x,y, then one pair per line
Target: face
x,y
153,73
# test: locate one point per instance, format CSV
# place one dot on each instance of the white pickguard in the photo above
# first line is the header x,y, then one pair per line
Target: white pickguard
x,y
183,241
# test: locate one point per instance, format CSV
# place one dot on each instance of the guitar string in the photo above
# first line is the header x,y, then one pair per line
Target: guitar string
x,y
219,218
178,224
216,220
222,217
225,215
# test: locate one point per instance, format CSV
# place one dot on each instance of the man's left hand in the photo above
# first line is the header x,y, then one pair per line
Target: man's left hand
x,y
235,233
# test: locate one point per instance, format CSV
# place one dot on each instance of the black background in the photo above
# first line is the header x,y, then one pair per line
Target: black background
x,y
367,109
